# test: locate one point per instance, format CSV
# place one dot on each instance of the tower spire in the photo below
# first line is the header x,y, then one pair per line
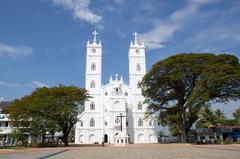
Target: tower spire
x,y
110,78
95,33
116,77
135,38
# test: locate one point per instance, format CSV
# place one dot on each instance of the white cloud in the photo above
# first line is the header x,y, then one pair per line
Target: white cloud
x,y
14,51
221,37
163,31
80,10
7,84
159,35
39,84
117,6
32,84
119,2
215,39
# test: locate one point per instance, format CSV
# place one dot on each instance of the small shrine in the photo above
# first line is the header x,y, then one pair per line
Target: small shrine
x,y
121,139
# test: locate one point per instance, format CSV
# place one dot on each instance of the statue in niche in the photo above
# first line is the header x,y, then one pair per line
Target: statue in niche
x,y
117,87
117,90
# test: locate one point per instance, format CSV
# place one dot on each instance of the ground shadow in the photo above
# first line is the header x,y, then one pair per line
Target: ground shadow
x,y
53,154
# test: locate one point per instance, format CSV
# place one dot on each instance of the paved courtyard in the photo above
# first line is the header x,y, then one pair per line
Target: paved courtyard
x,y
150,151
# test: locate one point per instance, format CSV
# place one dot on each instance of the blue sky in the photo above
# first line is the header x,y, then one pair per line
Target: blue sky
x,y
42,42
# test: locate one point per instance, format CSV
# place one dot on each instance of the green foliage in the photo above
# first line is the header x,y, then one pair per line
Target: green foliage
x,y
21,135
48,110
229,122
179,86
161,133
209,118
12,147
228,141
44,144
236,116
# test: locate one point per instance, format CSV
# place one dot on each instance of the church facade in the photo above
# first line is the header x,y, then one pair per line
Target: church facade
x,y
115,108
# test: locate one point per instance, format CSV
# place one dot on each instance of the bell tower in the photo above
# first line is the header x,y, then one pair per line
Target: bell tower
x,y
137,64
137,69
93,72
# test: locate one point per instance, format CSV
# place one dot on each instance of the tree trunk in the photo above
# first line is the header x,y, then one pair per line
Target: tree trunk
x,y
65,136
52,137
185,135
184,127
66,130
43,137
65,140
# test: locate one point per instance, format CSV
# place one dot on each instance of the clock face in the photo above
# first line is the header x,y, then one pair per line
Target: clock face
x,y
93,50
137,51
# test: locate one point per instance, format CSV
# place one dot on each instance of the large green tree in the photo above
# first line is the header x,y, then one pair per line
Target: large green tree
x,y
48,110
178,87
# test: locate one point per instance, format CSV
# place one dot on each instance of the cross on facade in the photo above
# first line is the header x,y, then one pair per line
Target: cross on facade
x,y
135,37
121,116
95,33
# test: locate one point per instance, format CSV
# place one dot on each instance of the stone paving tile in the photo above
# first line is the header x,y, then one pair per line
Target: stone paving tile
x,y
149,151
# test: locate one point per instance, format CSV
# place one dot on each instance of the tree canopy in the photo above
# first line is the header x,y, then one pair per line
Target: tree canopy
x,y
48,110
178,87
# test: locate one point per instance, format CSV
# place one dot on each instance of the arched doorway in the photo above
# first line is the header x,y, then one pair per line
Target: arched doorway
x,y
152,138
81,139
106,138
140,138
91,138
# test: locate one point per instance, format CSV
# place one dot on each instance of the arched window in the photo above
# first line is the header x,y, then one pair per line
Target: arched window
x,y
93,66
92,122
138,84
116,103
150,122
140,122
81,123
139,106
117,120
138,67
92,84
92,106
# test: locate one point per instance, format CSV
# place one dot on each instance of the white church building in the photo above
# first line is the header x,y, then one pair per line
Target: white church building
x,y
115,113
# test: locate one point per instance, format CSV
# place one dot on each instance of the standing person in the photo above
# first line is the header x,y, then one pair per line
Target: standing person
x,y
102,144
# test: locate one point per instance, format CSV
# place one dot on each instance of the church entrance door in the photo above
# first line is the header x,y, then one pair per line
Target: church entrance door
x,y
140,138
105,138
152,139
92,138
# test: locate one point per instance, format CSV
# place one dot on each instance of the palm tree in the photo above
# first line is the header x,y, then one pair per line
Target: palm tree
x,y
209,118
236,116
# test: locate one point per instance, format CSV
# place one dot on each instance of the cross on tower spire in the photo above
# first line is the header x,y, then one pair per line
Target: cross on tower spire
x,y
95,33
116,76
135,37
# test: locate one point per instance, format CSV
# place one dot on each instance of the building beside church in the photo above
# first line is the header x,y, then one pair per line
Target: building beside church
x,y
116,109
5,124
